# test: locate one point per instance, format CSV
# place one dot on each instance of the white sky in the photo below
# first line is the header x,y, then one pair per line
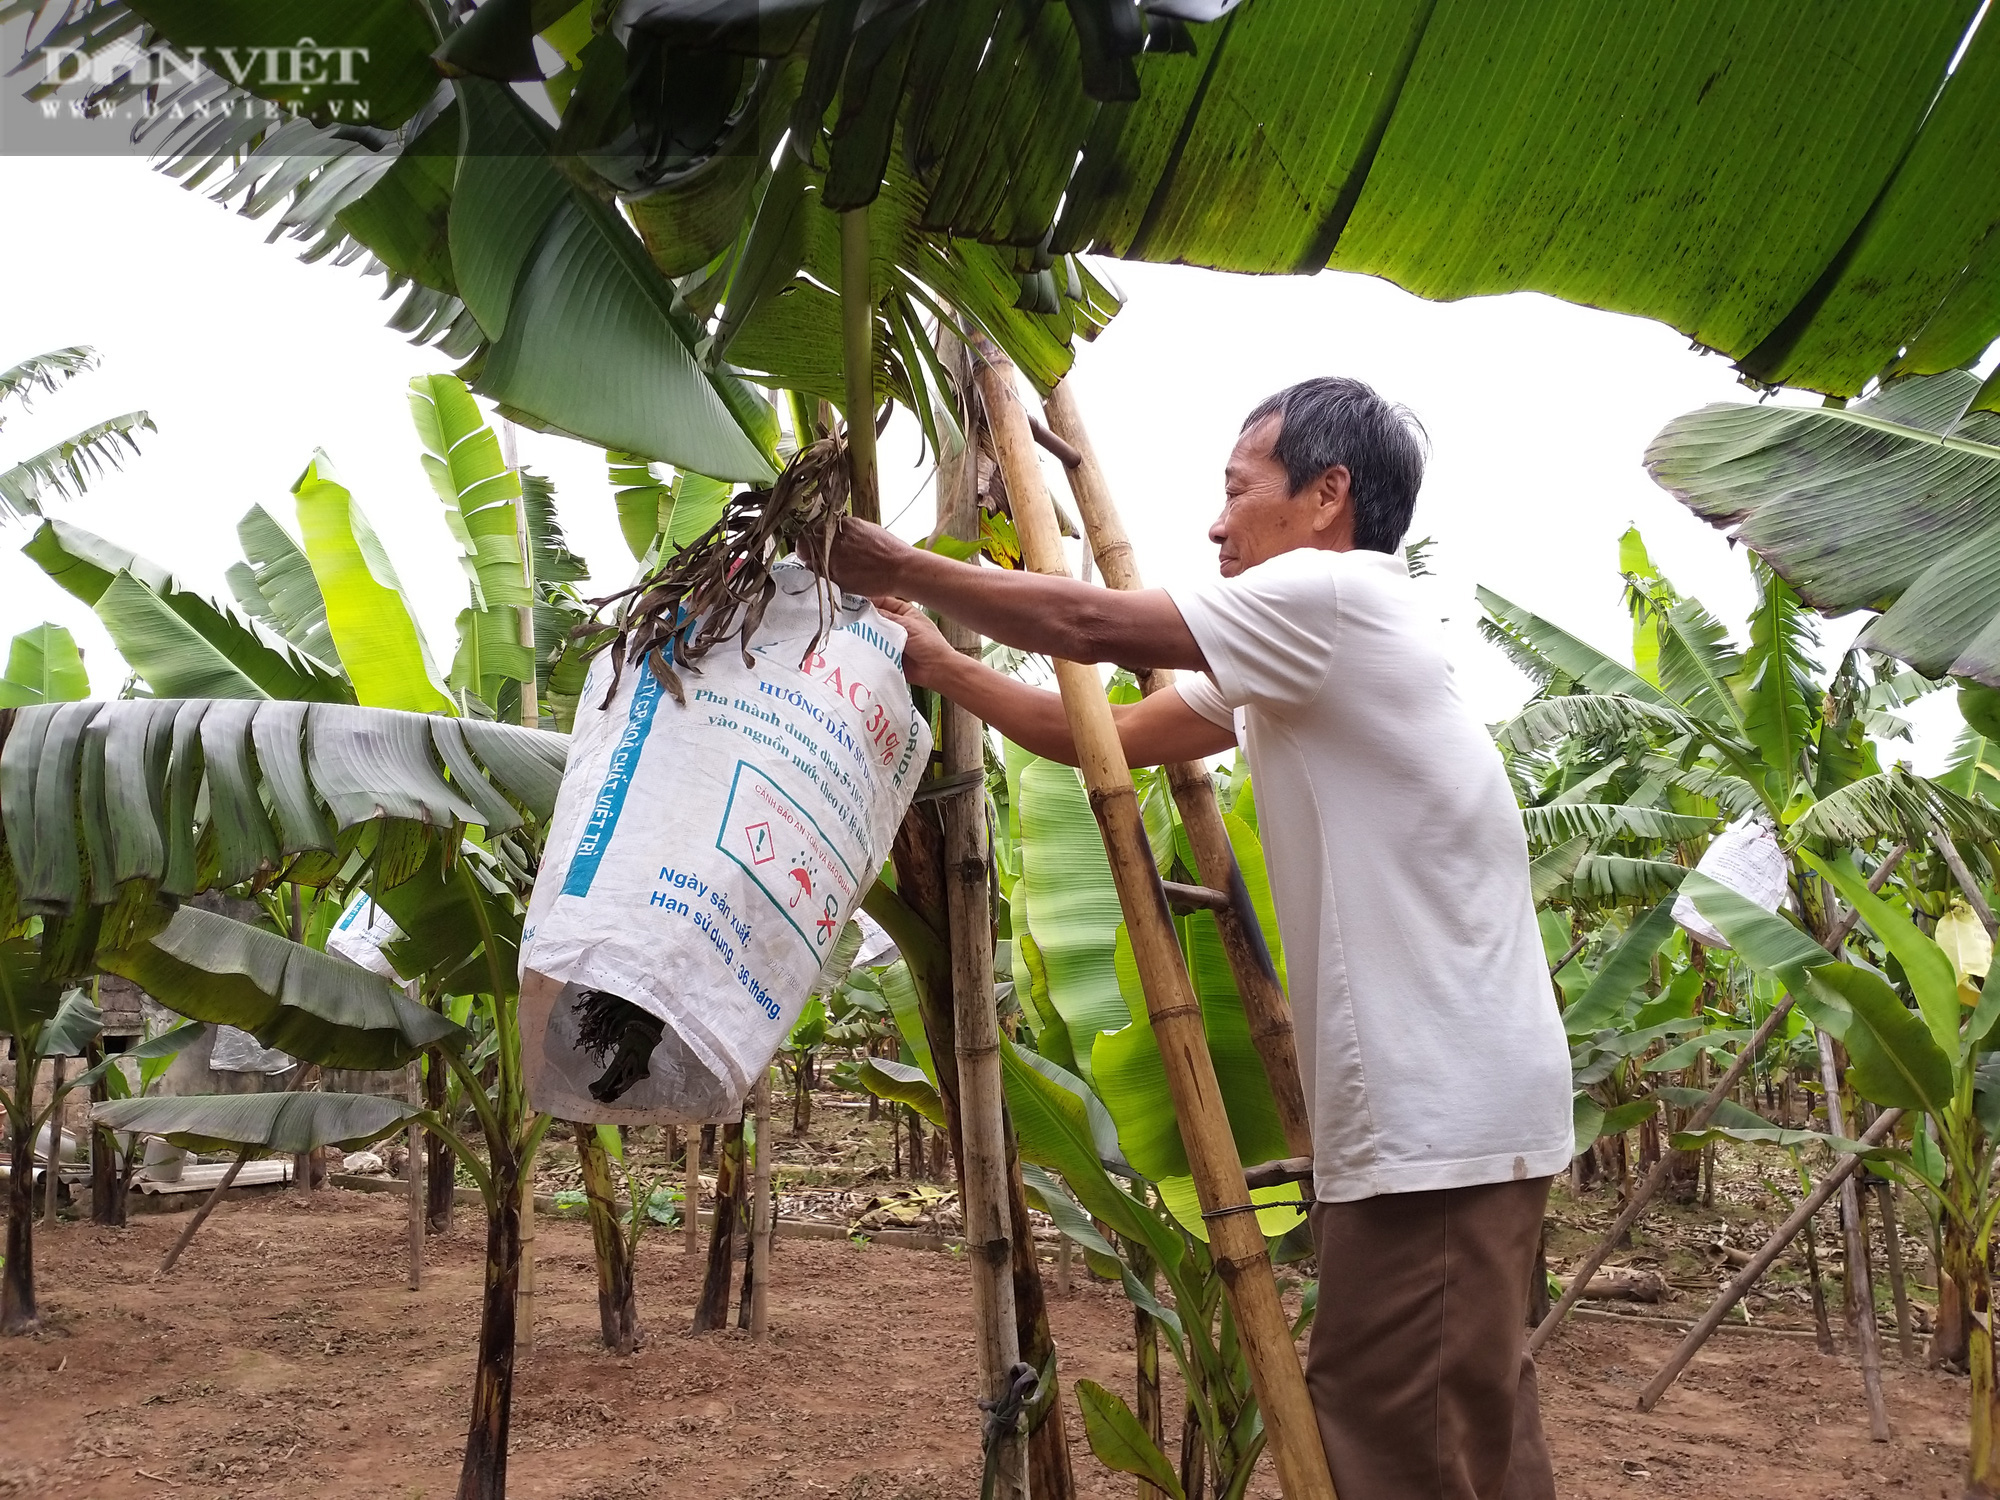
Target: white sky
x,y
1538,414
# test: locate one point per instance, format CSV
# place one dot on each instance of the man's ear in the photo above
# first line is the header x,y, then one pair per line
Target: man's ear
x,y
1332,501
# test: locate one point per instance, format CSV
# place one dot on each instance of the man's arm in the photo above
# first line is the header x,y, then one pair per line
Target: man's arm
x,y
1161,728
1058,616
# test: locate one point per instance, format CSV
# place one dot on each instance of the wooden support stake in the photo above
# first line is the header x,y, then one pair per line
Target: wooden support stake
x,y
228,1180
760,1214
989,1227
52,1180
691,1193
1974,896
1236,1242
1746,1278
525,613
416,1207
1859,1286
1697,1120
1892,1236
1264,1002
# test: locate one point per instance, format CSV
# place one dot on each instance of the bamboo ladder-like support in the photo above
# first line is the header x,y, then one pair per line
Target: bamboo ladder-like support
x,y
1235,1240
1264,1002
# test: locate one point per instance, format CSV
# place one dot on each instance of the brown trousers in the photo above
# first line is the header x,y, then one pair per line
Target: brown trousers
x,y
1418,1365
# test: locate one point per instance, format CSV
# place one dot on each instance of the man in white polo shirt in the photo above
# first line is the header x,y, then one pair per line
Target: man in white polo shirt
x,y
1433,1057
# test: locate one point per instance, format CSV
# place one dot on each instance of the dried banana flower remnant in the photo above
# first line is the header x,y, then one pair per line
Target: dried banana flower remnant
x,y
720,585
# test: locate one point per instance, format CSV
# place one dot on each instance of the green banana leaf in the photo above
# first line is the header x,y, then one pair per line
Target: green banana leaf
x,y
1066,901
1896,1062
562,286
1763,939
184,795
183,644
1120,1441
1621,972
461,924
314,1006
1930,973
1131,1076
276,1124
481,498
901,1083
367,612
275,585
1887,505
43,666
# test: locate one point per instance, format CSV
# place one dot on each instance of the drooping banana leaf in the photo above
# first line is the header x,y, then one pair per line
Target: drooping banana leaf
x,y
1896,804
43,666
277,1124
1892,504
67,468
310,1004
1559,822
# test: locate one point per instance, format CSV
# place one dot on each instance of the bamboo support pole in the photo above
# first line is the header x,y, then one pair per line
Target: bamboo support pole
x,y
1892,1238
857,336
1236,1241
691,1193
1697,1120
1841,1174
1974,896
760,1213
1857,1284
416,1208
989,1227
52,1179
1264,1004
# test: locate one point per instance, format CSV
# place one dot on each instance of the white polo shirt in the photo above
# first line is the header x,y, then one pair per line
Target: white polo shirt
x,y
1432,1051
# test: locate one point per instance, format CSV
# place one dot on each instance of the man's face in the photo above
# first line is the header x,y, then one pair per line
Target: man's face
x,y
1261,517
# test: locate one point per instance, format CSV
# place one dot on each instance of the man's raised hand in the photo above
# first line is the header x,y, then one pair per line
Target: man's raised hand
x,y
927,655
867,559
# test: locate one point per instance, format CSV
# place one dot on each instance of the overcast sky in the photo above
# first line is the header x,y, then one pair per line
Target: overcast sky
x,y
1538,414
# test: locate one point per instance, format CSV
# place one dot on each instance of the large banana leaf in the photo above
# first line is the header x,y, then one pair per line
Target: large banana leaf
x,y
461,925
1892,504
183,795
1066,900
182,644
1131,1077
43,666
367,612
587,336
315,1006
1712,188
481,498
278,1124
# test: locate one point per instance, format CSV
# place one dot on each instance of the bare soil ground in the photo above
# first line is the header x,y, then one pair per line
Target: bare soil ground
x,y
284,1357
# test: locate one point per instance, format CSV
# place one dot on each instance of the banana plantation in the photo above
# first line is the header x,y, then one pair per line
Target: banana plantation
x,y
1012,1192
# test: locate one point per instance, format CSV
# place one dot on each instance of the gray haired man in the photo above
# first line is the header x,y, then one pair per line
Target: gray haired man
x,y
1433,1058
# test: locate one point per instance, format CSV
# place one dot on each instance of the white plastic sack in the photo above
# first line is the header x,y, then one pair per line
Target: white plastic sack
x,y
236,1051
1745,857
703,860
363,930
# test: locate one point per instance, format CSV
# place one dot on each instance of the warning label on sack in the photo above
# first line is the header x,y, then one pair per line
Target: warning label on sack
x,y
779,846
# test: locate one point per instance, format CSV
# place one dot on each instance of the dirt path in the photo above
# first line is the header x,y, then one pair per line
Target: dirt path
x,y
285,1358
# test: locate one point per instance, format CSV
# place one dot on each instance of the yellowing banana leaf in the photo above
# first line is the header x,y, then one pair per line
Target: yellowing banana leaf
x,y
367,613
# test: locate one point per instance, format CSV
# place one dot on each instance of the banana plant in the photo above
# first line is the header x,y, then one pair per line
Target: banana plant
x,y
1914,1043
67,468
44,1020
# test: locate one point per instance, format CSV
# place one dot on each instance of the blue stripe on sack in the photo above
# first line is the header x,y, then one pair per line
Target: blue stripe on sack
x,y
617,782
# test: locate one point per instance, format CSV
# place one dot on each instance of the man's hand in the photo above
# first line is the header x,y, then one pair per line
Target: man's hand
x,y
927,656
867,560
